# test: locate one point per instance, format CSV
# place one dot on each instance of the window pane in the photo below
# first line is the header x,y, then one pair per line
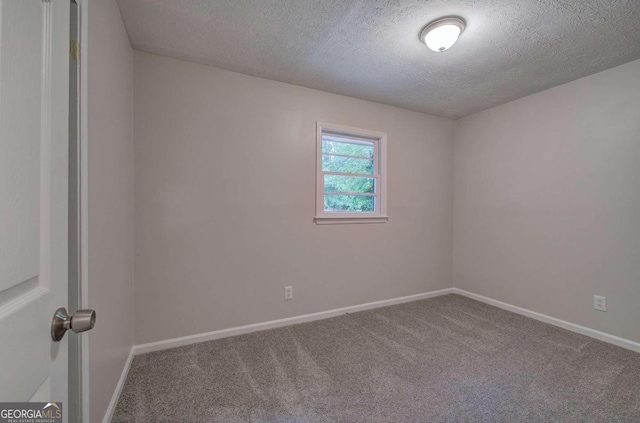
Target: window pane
x,y
337,183
347,147
346,165
349,203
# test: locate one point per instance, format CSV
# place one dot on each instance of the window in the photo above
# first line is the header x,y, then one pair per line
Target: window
x,y
350,175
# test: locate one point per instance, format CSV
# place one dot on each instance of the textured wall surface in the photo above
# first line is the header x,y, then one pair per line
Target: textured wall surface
x,y
547,201
225,199
369,49
110,187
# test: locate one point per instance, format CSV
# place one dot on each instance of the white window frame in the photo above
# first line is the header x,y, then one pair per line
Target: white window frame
x,y
380,174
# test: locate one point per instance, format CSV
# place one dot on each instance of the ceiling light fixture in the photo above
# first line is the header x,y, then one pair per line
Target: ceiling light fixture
x,y
441,34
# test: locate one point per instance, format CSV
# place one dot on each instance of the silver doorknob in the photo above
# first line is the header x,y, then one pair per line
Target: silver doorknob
x,y
82,320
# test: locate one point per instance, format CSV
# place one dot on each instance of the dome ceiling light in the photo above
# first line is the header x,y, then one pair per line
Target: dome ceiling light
x,y
441,34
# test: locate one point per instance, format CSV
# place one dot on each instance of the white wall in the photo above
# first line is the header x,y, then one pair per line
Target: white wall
x,y
547,201
110,199
225,182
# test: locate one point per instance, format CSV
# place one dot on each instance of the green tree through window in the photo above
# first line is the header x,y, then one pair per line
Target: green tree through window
x,y
344,157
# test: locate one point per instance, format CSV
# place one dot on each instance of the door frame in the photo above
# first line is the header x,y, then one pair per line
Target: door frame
x,y
79,377
84,198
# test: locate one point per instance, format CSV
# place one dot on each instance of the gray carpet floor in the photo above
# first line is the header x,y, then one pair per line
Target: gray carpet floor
x,y
445,359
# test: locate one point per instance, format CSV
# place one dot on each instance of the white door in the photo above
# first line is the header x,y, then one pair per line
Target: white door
x,y
34,160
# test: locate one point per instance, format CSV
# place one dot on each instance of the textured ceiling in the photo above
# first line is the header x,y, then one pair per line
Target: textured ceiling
x,y
369,49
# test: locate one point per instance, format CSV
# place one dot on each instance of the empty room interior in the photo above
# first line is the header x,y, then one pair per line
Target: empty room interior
x,y
348,211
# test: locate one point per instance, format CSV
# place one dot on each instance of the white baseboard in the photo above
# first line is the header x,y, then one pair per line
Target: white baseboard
x,y
602,336
209,336
108,415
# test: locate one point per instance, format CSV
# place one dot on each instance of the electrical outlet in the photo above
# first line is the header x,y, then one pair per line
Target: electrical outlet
x,y
288,293
599,303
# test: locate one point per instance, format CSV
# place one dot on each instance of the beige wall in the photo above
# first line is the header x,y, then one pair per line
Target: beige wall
x,y
110,199
225,182
547,201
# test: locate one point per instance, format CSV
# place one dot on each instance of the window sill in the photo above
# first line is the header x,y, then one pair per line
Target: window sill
x,y
341,220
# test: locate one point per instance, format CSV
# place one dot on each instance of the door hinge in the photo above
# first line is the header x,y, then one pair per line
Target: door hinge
x,y
75,50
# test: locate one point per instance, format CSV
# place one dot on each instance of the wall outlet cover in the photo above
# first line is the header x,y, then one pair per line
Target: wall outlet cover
x,y
288,293
600,303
